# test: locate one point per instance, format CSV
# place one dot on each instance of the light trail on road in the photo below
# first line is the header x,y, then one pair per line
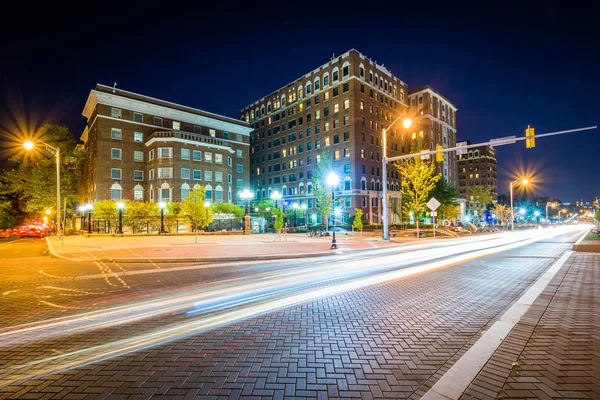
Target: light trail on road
x,y
238,299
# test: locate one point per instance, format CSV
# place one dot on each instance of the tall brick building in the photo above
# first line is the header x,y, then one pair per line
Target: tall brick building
x,y
341,107
477,168
141,148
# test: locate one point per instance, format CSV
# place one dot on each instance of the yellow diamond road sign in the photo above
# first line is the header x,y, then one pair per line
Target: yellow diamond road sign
x,y
433,204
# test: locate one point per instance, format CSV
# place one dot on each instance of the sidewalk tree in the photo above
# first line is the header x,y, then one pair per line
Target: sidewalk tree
x,y
481,198
193,208
33,180
357,223
278,219
106,210
321,192
137,213
227,211
173,214
418,180
447,211
503,213
446,195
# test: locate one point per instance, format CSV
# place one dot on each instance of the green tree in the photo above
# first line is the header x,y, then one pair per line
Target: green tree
x,y
320,190
279,219
193,208
33,180
417,182
357,223
227,211
106,210
443,192
173,214
447,211
481,198
137,213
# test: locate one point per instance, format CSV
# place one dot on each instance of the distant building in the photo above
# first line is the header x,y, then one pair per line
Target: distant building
x,y
342,107
434,123
145,149
477,168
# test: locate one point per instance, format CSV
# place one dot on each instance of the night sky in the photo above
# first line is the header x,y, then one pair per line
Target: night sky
x,y
503,68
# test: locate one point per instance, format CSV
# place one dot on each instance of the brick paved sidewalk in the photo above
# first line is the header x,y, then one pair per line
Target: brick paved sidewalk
x,y
554,351
156,248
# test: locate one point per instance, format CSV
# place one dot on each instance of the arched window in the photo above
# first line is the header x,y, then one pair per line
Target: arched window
x,y
361,71
300,92
385,86
256,113
151,193
284,190
282,100
219,194
208,196
264,194
165,193
345,69
301,188
317,83
247,118
262,110
371,76
185,191
308,88
363,184
335,75
268,107
116,192
376,79
138,193
326,79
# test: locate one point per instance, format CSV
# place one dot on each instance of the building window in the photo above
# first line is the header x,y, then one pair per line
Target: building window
x,y
212,132
346,120
362,153
197,175
158,121
165,193
185,154
346,70
346,153
138,137
176,125
165,152
185,173
336,91
185,191
336,155
151,175
239,154
345,87
208,157
208,175
240,168
218,176
239,183
218,194
219,158
138,193
115,112
347,186
137,117
138,156
151,155
115,154
138,175
115,173
335,75
197,154
116,134
197,129
165,173
116,192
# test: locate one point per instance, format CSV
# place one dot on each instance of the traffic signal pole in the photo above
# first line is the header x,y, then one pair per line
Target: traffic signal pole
x,y
493,142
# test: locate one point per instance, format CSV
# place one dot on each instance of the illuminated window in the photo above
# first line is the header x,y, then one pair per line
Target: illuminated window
x,y
347,104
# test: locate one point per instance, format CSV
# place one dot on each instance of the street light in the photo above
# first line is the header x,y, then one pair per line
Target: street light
x,y
559,211
275,196
162,206
295,207
537,219
247,195
407,123
89,207
303,207
120,206
547,205
333,180
29,145
512,211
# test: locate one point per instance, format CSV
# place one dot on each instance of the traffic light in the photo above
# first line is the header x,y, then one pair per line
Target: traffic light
x,y
439,156
530,137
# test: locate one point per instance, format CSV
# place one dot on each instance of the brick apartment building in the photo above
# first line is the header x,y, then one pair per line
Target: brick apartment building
x,y
477,168
145,149
434,123
341,107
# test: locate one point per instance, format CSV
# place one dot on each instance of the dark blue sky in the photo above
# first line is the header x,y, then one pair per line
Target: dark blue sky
x,y
503,67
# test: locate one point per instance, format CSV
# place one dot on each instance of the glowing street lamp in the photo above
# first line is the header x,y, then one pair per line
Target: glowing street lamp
x,y
120,206
295,207
162,206
333,180
29,145
303,207
512,211
247,195
275,196
406,123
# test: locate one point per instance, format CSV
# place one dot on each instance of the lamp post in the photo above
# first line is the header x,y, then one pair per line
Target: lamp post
x,y
333,180
537,217
120,206
303,207
559,211
547,205
407,122
295,206
512,211
275,196
89,208
162,206
56,152
81,216
247,196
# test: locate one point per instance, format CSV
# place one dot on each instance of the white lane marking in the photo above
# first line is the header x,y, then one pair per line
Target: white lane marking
x,y
458,378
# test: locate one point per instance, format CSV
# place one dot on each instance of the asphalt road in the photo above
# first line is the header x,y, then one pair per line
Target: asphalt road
x,y
348,326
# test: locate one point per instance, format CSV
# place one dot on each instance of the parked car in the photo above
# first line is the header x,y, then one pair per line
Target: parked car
x,y
32,231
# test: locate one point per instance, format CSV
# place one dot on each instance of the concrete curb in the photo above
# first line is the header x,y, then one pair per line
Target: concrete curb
x,y
588,248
